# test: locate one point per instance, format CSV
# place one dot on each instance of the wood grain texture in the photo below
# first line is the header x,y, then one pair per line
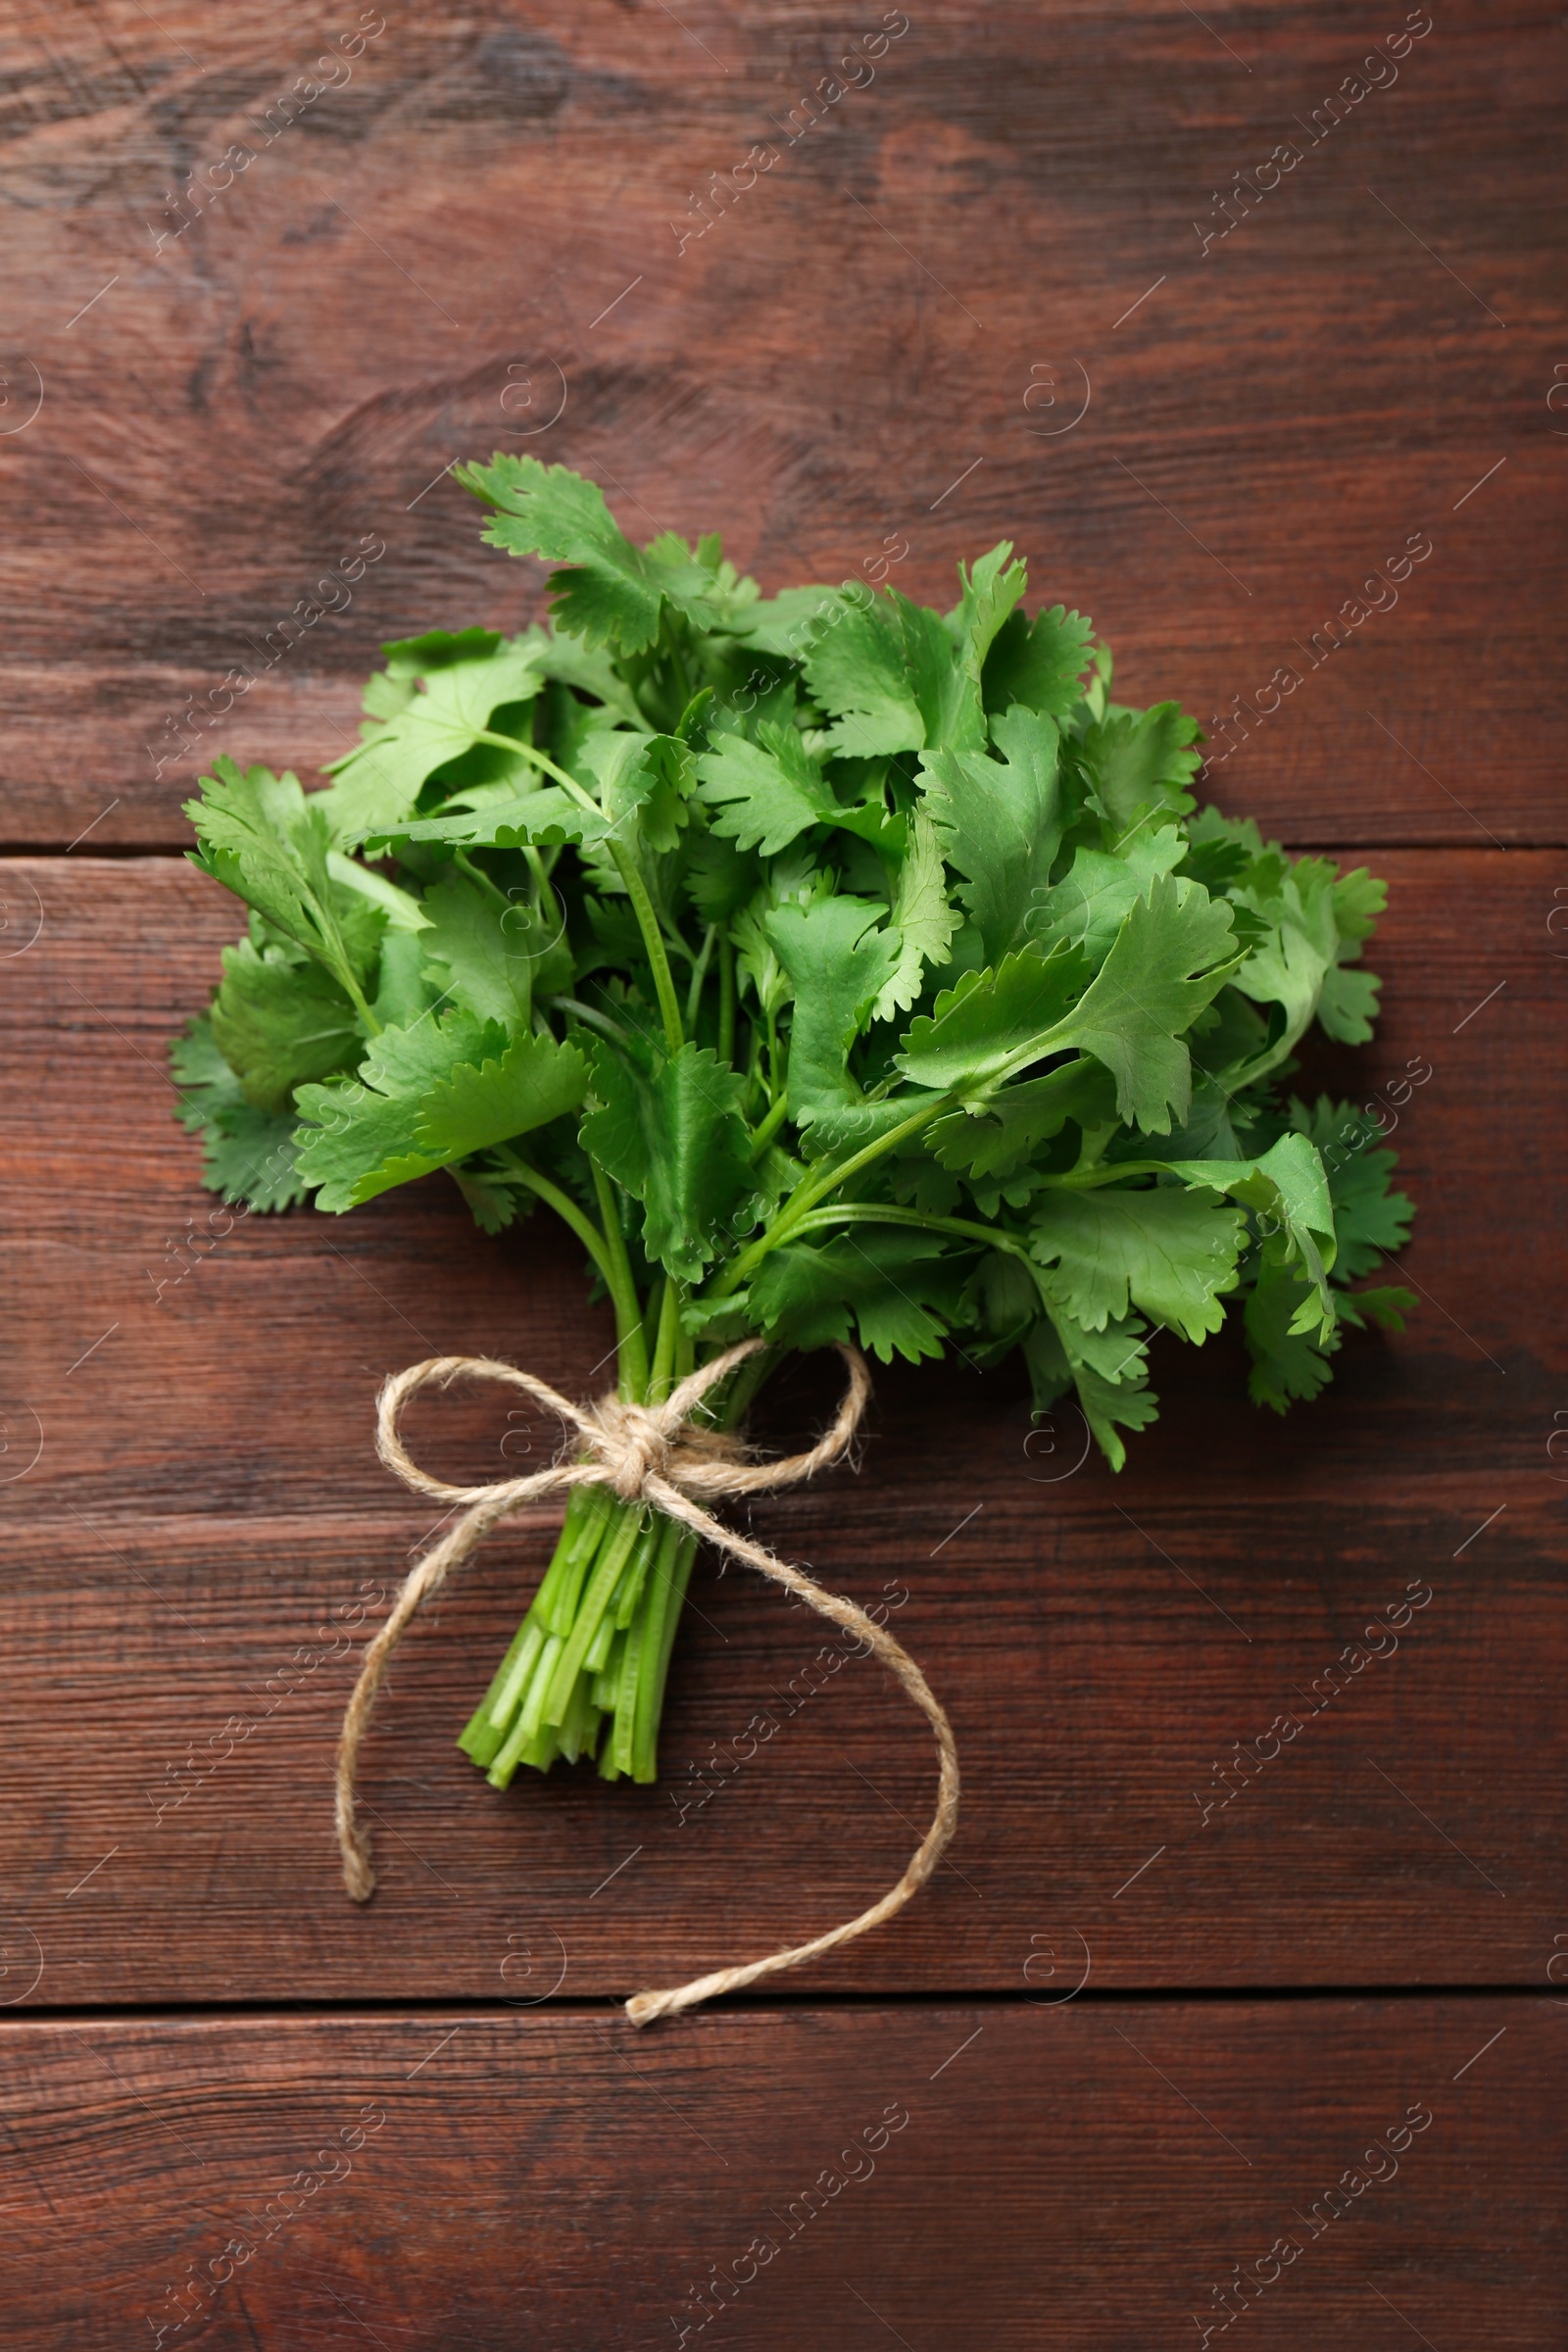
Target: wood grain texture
x,y
206,1498
970,300
891,333
982,2178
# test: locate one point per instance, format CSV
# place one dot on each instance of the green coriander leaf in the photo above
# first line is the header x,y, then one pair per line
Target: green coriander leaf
x,y
250,1156
991,590
357,1138
1168,1252
1219,850
1139,760
764,794
1093,898
544,817
474,954
609,592
719,877
1347,1003
786,625
1288,1191
922,917
997,1137
707,592
354,1141
1118,1353
264,840
1298,964
1000,824
839,960
1162,969
531,1082
757,964
246,824
590,668
402,992
677,1141
856,669
1039,664
892,675
1007,1296
248,1153
1108,1372
945,678
1386,1307
1369,1221
493,1202
1359,897
1106,1403
1286,1361
206,1085
991,1024
888,1286
278,1023
414,657
381,778
388,693
644,782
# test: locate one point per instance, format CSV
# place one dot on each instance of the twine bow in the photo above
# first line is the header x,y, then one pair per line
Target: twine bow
x,y
654,1454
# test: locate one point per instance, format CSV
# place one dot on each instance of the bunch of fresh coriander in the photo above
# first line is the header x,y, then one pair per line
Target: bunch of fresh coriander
x,y
836,969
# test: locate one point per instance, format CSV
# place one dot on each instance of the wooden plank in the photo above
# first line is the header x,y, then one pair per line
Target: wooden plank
x,y
206,1497
887,337
939,2174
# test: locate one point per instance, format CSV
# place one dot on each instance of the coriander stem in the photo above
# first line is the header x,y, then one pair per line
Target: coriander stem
x,y
665,1591
668,627
541,759
476,874
700,974
662,1378
1078,1180
357,997
594,1017
767,1127
630,1345
812,1189
652,941
815,1189
626,867
726,1001
875,1212
587,1232
651,1312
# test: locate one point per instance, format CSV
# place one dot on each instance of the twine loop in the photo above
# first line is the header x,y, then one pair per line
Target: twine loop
x,y
664,1456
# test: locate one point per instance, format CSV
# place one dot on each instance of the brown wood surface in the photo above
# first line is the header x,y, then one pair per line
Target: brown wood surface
x,y
1115,2096
1071,2173
206,1497
970,231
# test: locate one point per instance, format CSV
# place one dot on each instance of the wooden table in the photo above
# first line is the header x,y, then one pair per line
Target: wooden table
x,y
1121,2045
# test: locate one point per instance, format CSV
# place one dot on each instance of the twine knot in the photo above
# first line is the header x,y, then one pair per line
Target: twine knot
x,y
638,1443
657,1454
641,1442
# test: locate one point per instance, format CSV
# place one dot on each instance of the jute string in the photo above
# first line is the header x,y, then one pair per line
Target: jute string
x,y
652,1454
